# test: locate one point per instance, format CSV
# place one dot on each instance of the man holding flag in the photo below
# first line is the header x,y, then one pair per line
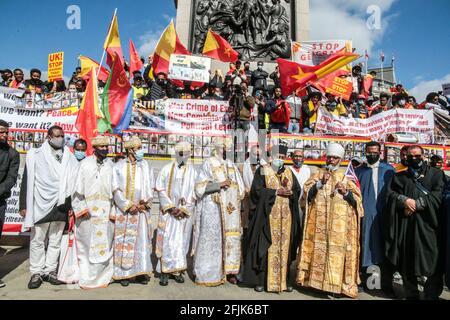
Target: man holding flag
x,y
330,249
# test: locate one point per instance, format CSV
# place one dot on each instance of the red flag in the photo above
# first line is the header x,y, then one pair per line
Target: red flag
x,y
135,61
368,82
118,90
218,48
168,44
89,112
294,75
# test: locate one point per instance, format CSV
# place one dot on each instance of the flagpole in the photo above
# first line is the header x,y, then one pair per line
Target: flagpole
x,y
382,72
104,50
367,62
393,70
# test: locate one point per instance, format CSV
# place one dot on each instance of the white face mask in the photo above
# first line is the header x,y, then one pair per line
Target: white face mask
x,y
57,143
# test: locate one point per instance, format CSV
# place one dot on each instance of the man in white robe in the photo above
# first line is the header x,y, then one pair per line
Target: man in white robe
x,y
92,204
47,186
175,187
218,230
302,173
133,184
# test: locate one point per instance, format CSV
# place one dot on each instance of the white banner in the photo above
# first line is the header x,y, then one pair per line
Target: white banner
x,y
10,97
39,119
446,89
417,122
13,220
189,68
312,53
184,116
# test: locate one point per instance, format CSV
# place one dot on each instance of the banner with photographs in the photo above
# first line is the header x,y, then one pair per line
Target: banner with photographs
x,y
201,117
416,122
13,221
17,98
189,68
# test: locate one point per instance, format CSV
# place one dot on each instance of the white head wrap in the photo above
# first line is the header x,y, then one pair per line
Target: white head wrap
x,y
335,150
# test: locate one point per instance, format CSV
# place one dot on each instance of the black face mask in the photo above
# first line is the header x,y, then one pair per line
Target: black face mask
x,y
404,162
415,163
372,159
161,83
102,154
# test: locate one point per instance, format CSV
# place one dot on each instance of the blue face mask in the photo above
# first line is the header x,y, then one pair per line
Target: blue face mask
x,y
139,155
80,155
278,163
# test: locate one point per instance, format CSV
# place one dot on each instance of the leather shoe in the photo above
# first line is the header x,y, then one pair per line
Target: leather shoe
x,y
35,281
142,279
2,284
232,280
164,280
124,283
289,289
259,288
52,278
179,278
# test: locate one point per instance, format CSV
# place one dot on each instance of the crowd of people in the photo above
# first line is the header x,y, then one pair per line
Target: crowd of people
x,y
248,90
242,223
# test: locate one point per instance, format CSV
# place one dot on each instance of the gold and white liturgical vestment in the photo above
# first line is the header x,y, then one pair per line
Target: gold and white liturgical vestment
x,y
218,229
329,257
132,183
93,205
175,187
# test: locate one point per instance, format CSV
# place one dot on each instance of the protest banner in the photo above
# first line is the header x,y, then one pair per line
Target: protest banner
x,y
340,88
189,68
10,98
55,66
13,221
17,98
183,116
312,53
418,122
39,119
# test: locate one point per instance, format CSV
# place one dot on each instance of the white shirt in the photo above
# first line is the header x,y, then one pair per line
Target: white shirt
x,y
375,168
303,175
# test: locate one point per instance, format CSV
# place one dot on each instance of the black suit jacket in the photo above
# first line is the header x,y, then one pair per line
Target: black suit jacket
x,y
9,170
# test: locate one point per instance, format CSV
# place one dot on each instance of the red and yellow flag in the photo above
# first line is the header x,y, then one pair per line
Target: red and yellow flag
x,y
112,43
294,75
218,48
135,61
87,64
89,112
168,44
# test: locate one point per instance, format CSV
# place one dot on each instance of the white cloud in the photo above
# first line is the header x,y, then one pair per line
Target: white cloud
x,y
149,40
347,20
423,88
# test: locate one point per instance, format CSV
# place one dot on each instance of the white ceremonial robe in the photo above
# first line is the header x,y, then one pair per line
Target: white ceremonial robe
x,y
302,176
133,233
92,204
218,228
175,187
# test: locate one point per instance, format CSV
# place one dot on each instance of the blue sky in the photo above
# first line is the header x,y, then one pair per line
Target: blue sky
x,y
416,31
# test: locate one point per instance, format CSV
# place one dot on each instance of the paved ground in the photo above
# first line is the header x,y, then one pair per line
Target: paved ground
x,y
14,271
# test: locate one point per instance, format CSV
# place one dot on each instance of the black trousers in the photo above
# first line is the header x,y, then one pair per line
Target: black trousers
x,y
2,215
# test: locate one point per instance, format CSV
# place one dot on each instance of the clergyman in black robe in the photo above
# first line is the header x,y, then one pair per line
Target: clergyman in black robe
x,y
273,234
413,225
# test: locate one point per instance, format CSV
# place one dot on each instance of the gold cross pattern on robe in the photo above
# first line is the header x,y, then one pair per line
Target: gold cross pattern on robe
x,y
94,209
230,208
102,253
99,234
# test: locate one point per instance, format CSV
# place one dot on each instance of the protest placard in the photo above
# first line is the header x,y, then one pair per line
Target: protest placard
x,y
55,66
189,68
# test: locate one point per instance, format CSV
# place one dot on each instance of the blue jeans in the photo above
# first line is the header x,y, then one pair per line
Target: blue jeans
x,y
281,127
294,127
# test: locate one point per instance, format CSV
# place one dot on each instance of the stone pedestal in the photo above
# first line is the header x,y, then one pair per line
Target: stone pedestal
x,y
186,13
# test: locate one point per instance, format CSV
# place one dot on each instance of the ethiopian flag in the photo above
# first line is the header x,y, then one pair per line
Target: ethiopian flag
x,y
89,112
168,44
87,64
294,75
115,97
112,43
218,48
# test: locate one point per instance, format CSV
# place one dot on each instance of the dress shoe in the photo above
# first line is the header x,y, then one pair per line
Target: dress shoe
x,y
164,280
124,283
35,281
179,278
143,279
2,284
259,288
289,289
52,278
232,279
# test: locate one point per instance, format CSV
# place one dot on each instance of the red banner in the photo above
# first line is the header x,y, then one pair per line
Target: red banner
x,y
340,88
